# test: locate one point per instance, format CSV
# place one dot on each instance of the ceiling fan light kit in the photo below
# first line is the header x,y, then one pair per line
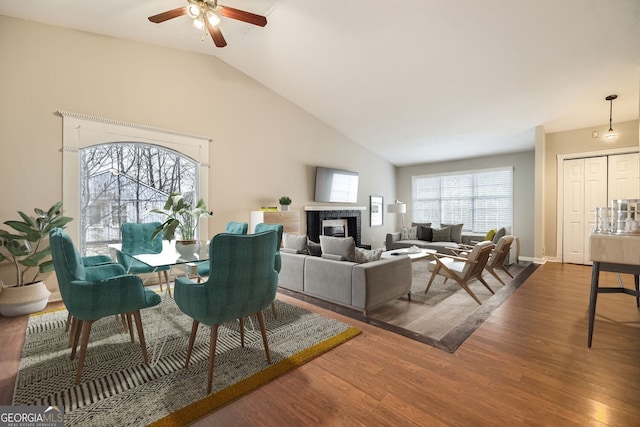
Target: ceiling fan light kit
x,y
206,15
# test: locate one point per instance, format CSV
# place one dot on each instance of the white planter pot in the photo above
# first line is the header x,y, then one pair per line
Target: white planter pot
x,y
188,249
284,208
27,299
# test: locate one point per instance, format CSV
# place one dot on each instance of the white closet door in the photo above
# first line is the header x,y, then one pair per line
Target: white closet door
x,y
595,195
585,188
574,215
624,176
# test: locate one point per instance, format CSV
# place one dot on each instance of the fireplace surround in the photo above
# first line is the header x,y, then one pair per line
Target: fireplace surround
x,y
334,220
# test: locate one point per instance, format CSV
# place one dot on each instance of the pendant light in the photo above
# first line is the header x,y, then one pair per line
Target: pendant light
x,y
610,135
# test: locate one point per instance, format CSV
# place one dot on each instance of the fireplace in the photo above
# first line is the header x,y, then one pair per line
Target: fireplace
x,y
340,221
335,227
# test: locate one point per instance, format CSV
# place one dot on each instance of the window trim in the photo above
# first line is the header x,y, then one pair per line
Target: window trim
x,y
81,131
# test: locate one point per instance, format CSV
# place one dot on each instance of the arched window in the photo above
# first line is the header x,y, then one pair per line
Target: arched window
x,y
114,172
121,182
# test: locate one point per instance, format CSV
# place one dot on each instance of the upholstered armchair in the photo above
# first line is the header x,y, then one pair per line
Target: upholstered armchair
x,y
91,293
136,240
232,227
242,282
279,229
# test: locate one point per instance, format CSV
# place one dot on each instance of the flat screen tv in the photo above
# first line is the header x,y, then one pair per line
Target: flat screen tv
x,y
336,185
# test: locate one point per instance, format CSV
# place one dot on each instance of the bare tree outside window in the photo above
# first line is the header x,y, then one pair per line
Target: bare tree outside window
x,y
120,182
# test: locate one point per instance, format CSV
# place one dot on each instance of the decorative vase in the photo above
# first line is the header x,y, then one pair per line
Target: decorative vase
x,y
27,299
188,249
284,208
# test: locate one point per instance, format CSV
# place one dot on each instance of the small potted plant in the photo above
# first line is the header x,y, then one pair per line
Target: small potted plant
x,y
26,248
184,218
284,201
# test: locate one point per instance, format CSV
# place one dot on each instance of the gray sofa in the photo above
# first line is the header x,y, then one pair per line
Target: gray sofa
x,y
394,241
359,286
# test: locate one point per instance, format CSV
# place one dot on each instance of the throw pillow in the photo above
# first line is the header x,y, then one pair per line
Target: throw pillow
x,y
425,233
424,224
456,232
314,248
442,234
343,246
490,234
501,232
368,255
407,233
295,242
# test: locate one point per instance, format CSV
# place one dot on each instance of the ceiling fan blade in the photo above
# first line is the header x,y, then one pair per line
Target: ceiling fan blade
x,y
169,14
216,34
243,16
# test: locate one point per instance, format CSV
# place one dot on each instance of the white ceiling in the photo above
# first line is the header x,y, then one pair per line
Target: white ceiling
x,y
414,81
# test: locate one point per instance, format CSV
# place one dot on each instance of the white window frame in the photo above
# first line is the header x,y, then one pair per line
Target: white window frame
x,y
473,197
80,131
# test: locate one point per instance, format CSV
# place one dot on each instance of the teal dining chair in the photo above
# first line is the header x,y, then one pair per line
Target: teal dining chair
x,y
136,240
242,282
91,293
232,227
278,228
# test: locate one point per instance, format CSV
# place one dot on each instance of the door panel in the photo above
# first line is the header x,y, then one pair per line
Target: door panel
x,y
573,245
624,176
595,195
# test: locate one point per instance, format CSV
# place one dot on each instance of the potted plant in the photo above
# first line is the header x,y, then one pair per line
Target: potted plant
x,y
26,247
285,201
184,218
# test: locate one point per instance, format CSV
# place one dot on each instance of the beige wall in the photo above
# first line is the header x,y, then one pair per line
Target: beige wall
x,y
263,146
572,142
523,182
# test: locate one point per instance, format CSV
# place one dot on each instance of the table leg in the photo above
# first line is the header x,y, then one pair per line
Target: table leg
x,y
637,282
595,275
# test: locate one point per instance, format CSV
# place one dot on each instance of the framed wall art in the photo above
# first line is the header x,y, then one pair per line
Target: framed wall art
x,y
376,210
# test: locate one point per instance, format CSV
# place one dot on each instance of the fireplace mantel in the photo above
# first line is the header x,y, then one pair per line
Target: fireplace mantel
x,y
334,208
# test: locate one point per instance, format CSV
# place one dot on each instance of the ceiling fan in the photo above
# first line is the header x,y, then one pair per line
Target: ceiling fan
x,y
206,14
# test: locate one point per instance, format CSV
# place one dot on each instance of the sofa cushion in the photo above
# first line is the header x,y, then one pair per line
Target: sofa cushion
x,y
367,255
295,242
425,233
343,246
409,233
456,232
442,234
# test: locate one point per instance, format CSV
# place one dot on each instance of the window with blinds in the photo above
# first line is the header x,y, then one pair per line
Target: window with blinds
x,y
481,200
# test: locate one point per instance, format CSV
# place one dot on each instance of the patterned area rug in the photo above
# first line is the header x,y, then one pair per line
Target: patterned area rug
x,y
117,388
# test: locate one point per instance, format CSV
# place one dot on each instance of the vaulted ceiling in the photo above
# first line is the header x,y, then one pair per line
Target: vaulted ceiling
x,y
414,81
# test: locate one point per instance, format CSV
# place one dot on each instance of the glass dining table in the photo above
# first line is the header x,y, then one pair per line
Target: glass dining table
x,y
168,257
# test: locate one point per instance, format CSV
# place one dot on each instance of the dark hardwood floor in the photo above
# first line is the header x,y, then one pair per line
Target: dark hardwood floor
x,y
528,364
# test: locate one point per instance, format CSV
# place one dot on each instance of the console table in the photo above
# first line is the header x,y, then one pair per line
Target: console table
x,y
618,253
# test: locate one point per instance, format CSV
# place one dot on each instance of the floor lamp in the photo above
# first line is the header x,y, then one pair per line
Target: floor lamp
x,y
397,208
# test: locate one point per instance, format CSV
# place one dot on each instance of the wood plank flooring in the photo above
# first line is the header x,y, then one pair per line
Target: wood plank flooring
x,y
528,364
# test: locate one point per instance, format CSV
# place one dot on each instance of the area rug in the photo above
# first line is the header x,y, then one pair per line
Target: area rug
x,y
444,317
117,388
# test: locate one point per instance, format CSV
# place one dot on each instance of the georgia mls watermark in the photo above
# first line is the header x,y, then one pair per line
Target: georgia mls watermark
x,y
31,416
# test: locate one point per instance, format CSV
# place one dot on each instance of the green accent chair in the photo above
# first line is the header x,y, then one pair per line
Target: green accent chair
x,y
242,282
278,228
202,268
136,240
91,293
